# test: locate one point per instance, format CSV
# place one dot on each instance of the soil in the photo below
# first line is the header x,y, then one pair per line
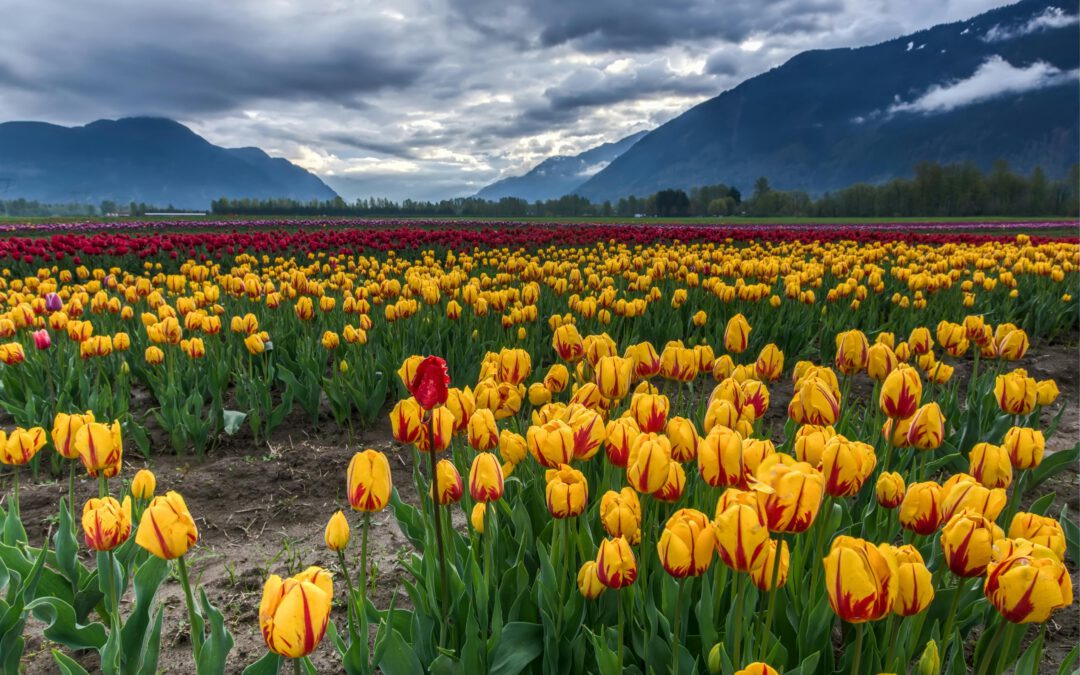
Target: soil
x,y
262,510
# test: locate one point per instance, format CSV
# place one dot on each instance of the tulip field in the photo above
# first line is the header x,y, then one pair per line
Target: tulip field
x,y
361,447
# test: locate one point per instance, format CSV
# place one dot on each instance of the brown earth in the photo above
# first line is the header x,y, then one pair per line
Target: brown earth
x,y
262,510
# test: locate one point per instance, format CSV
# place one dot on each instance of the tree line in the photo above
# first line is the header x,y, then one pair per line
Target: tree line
x,y
934,190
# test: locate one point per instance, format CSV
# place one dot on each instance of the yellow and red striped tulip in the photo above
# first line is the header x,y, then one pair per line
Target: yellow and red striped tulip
x,y
368,481
862,579
294,612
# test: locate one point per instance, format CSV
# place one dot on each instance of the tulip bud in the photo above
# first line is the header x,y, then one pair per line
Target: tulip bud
x,y
567,343
368,481
930,661
863,579
557,378
649,462
106,523
294,612
686,544
990,465
167,529
1025,447
620,514
143,485
915,590
889,489
920,510
448,485
1046,392
764,575
684,439
1013,345
736,334
486,478
476,517
483,432
615,563
538,394
588,582
337,532
770,363
927,430
757,668
953,338
567,492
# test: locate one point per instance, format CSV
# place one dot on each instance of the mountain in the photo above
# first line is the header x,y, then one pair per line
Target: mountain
x,y
142,159
560,175
1002,85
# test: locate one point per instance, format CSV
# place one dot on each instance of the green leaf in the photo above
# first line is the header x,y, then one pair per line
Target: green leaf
x,y
148,578
152,647
68,665
1053,465
1070,661
1030,661
395,657
269,664
1072,535
61,626
216,648
1041,504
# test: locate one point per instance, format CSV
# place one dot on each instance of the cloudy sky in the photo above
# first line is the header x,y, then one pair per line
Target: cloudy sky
x,y
422,98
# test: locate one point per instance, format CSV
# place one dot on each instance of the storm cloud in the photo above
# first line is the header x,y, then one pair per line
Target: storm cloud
x,y
428,98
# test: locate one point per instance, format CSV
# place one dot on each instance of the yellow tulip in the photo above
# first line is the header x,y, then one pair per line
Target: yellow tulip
x,y
476,517
674,484
961,492
167,529
567,343
650,411
920,509
1012,345
613,375
515,365
1039,530
763,576
337,532
1028,585
686,544
65,427
684,439
927,430
901,392
143,485
448,486
1016,393
512,447
647,466
967,541
795,492
862,579
770,363
483,431
620,514
736,334
814,403
852,352
846,466
588,582
920,340
437,432
990,465
588,428
621,433
645,359
369,481
407,420
678,363
567,492
810,440
294,612
486,478
106,523
742,535
953,338
557,378
615,563
1025,447
889,489
551,444
757,668
915,590
1046,392
100,448
21,445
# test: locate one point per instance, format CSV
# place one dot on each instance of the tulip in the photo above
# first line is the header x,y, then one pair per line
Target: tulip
x,y
620,514
552,444
485,478
962,492
742,536
647,466
686,544
810,440
990,465
167,529
770,363
1013,345
645,359
567,343
154,356
795,494
1028,585
294,612
557,378
684,439
920,509
852,352
255,344
106,523
927,430
143,485
460,402
440,422
772,570
368,481
755,398
337,532
588,582
615,563
613,375
895,431
21,445
900,393
1046,392
512,447
678,363
814,403
720,458
889,489
598,346
674,484
1015,393
407,420
515,365
757,668
501,398
721,413
967,541
448,486
429,383
736,334
476,517
100,448
915,590
483,432
953,338
567,492
621,433
722,368
862,579
1025,447
1039,530
650,411
538,394
589,431
42,339
846,466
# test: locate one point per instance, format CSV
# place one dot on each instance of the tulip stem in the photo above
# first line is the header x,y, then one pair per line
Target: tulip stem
x,y
857,658
682,583
438,521
950,621
349,585
619,611
771,606
296,667
15,499
193,618
103,484
988,655
740,595
892,634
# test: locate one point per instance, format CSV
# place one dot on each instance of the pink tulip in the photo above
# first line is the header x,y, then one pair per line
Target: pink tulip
x,y
42,340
